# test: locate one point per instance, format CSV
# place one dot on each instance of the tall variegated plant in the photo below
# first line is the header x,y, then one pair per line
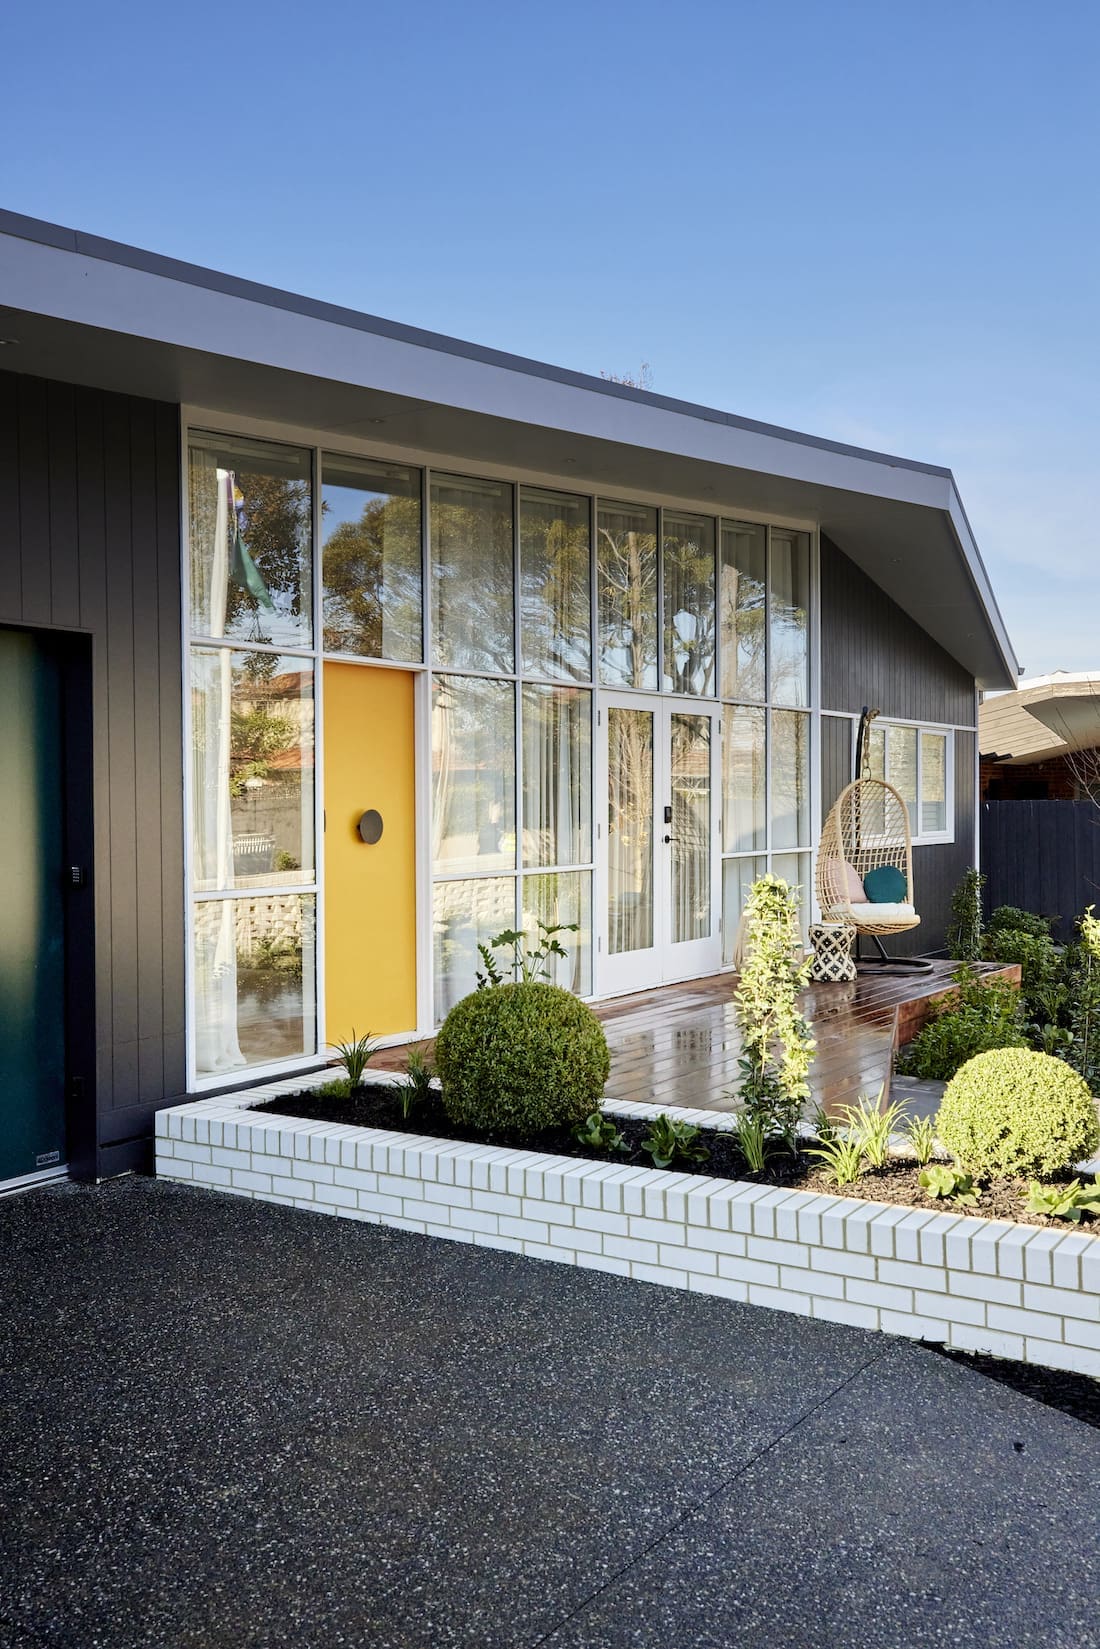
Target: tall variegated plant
x,y
776,1038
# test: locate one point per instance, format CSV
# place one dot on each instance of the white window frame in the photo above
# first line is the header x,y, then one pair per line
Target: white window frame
x,y
920,838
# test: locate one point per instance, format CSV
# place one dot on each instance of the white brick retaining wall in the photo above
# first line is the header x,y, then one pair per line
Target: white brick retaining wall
x,y
1017,1291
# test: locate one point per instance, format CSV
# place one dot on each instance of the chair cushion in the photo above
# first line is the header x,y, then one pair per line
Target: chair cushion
x,y
857,893
885,885
875,916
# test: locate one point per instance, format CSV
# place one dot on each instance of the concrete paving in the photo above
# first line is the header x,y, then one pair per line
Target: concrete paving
x,y
228,1423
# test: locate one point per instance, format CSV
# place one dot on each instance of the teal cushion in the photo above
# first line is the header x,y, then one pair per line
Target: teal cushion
x,y
885,885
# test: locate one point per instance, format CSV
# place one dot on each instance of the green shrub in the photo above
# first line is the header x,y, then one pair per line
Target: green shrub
x,y
521,1057
1081,969
1041,986
1012,1111
976,1017
1012,918
964,936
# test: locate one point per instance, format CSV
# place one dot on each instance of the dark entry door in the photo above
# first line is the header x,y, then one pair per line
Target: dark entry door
x,y
32,918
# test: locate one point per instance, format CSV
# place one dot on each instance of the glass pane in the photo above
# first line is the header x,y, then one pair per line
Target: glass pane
x,y
790,608
743,608
473,774
691,902
933,783
743,779
472,561
465,915
255,984
370,525
629,830
250,508
557,783
555,583
563,897
794,868
901,768
738,875
874,767
790,779
626,563
688,548
252,769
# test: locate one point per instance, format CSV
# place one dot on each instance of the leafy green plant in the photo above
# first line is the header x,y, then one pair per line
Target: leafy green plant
x,y
417,1087
1052,1039
921,1135
964,935
841,1159
977,1016
338,1088
939,1180
870,1127
521,1057
1040,967
667,1140
824,1126
752,1139
1012,918
776,1037
1063,1202
1014,1112
600,1133
355,1055
529,956
1082,968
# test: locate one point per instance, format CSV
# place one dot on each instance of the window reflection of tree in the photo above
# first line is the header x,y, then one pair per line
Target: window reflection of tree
x,y
627,554
688,556
372,580
691,831
630,830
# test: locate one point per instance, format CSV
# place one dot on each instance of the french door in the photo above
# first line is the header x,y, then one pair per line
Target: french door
x,y
658,896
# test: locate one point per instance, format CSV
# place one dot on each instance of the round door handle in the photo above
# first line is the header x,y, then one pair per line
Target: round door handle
x,y
370,826
668,838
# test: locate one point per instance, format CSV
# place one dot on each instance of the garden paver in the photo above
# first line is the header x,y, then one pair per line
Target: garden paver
x,y
228,1422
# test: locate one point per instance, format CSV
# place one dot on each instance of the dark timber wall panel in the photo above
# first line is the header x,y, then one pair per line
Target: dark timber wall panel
x,y
873,653
1043,856
89,541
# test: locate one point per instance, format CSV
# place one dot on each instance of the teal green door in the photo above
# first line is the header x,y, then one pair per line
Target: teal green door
x,y
32,916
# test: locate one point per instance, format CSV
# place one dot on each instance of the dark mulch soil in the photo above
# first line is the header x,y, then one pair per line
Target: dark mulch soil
x,y
377,1106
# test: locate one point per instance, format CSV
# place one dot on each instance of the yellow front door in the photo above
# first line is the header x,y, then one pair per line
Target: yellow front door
x,y
370,887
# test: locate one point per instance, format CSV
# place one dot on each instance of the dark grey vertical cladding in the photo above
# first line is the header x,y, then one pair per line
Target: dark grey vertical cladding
x,y
873,653
836,758
89,542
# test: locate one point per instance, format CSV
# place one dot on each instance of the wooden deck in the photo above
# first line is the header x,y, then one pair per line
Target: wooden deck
x,y
679,1044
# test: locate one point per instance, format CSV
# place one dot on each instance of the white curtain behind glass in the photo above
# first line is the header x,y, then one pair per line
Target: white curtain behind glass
x,y
217,1044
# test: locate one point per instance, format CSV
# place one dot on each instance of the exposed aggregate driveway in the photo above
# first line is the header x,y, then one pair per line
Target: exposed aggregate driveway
x,y
228,1423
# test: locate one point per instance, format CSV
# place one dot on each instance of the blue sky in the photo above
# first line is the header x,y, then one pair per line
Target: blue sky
x,y
877,222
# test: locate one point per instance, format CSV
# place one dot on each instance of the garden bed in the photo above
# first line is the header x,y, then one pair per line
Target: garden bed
x,y
965,1281
377,1104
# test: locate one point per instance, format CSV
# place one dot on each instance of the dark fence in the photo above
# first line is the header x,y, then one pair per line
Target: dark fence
x,y
1042,856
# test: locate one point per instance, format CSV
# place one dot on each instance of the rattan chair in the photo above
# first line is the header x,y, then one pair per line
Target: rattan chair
x,y
867,827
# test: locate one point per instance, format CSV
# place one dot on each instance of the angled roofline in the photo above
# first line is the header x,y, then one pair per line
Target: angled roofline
x,y
17,226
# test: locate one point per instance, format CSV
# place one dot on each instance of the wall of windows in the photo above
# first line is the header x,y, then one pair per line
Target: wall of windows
x,y
519,603
764,584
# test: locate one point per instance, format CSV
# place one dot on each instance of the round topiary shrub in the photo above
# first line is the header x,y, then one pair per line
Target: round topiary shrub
x,y
521,1057
1014,1112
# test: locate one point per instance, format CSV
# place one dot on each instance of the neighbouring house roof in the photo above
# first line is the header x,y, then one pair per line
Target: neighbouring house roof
x,y
92,311
1046,716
